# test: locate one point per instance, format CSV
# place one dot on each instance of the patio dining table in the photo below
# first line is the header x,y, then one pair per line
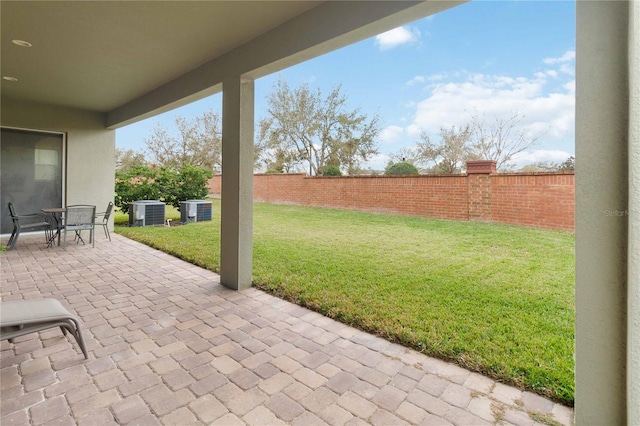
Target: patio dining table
x,y
56,214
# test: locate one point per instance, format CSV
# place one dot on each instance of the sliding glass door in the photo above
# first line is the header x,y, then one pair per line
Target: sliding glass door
x,y
31,172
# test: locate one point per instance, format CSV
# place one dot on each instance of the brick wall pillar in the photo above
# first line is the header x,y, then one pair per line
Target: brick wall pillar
x,y
479,187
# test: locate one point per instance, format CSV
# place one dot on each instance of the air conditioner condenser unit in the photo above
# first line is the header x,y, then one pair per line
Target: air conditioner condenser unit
x,y
195,211
146,213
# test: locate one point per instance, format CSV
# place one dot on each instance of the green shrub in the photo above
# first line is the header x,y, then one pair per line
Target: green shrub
x,y
136,183
331,171
401,168
186,183
169,185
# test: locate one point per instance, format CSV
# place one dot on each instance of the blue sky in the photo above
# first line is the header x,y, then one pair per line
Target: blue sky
x,y
491,58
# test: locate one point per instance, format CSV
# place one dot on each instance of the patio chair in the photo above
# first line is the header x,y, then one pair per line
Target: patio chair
x,y
78,218
21,317
105,219
27,222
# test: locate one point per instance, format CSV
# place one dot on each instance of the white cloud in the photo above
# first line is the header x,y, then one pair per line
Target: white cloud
x,y
528,157
391,134
568,69
566,63
547,73
568,56
377,162
454,103
570,86
397,37
416,80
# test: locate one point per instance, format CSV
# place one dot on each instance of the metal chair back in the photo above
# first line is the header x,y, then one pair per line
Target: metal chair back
x,y
78,218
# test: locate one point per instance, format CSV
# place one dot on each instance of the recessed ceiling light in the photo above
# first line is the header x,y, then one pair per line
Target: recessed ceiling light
x,y
6,77
21,43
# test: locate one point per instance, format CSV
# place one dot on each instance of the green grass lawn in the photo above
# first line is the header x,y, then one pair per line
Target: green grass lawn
x,y
493,298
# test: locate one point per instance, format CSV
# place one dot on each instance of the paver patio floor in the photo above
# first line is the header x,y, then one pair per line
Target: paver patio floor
x,y
168,344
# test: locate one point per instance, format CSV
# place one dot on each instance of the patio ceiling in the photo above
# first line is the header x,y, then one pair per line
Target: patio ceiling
x,y
133,59
100,55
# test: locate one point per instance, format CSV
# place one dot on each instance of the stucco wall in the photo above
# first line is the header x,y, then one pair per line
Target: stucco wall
x,y
90,152
602,117
633,304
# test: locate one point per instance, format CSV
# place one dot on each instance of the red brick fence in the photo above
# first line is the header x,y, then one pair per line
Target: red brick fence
x,y
544,200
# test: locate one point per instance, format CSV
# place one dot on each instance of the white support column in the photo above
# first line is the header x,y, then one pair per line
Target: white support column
x,y
236,234
633,281
602,181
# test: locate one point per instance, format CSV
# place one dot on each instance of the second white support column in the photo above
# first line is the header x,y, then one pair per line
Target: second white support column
x,y
236,234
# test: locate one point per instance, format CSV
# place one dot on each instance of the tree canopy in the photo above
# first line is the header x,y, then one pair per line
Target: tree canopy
x,y
568,165
499,140
198,142
401,168
450,154
128,158
549,166
303,126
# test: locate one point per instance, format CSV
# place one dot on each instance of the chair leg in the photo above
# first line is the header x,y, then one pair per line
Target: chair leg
x,y
48,235
77,334
74,329
14,238
78,237
106,231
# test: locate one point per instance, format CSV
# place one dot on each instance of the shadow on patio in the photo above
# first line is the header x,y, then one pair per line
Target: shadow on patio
x,y
169,345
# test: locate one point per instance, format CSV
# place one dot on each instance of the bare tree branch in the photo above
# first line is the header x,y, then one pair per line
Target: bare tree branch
x,y
128,158
501,140
198,142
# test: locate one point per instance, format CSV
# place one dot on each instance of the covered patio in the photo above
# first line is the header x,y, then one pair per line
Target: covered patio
x,y
81,70
168,344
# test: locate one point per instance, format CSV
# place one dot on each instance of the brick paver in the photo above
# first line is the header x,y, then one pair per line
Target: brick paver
x,y
169,345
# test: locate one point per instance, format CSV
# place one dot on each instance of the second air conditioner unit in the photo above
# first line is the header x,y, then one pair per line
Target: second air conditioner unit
x,y
195,211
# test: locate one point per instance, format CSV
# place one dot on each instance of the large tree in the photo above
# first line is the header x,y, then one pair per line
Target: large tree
x,y
305,127
407,155
198,142
501,139
281,160
449,154
568,165
128,158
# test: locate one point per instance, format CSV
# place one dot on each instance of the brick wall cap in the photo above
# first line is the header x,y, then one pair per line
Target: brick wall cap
x,y
279,174
481,166
431,176
558,173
